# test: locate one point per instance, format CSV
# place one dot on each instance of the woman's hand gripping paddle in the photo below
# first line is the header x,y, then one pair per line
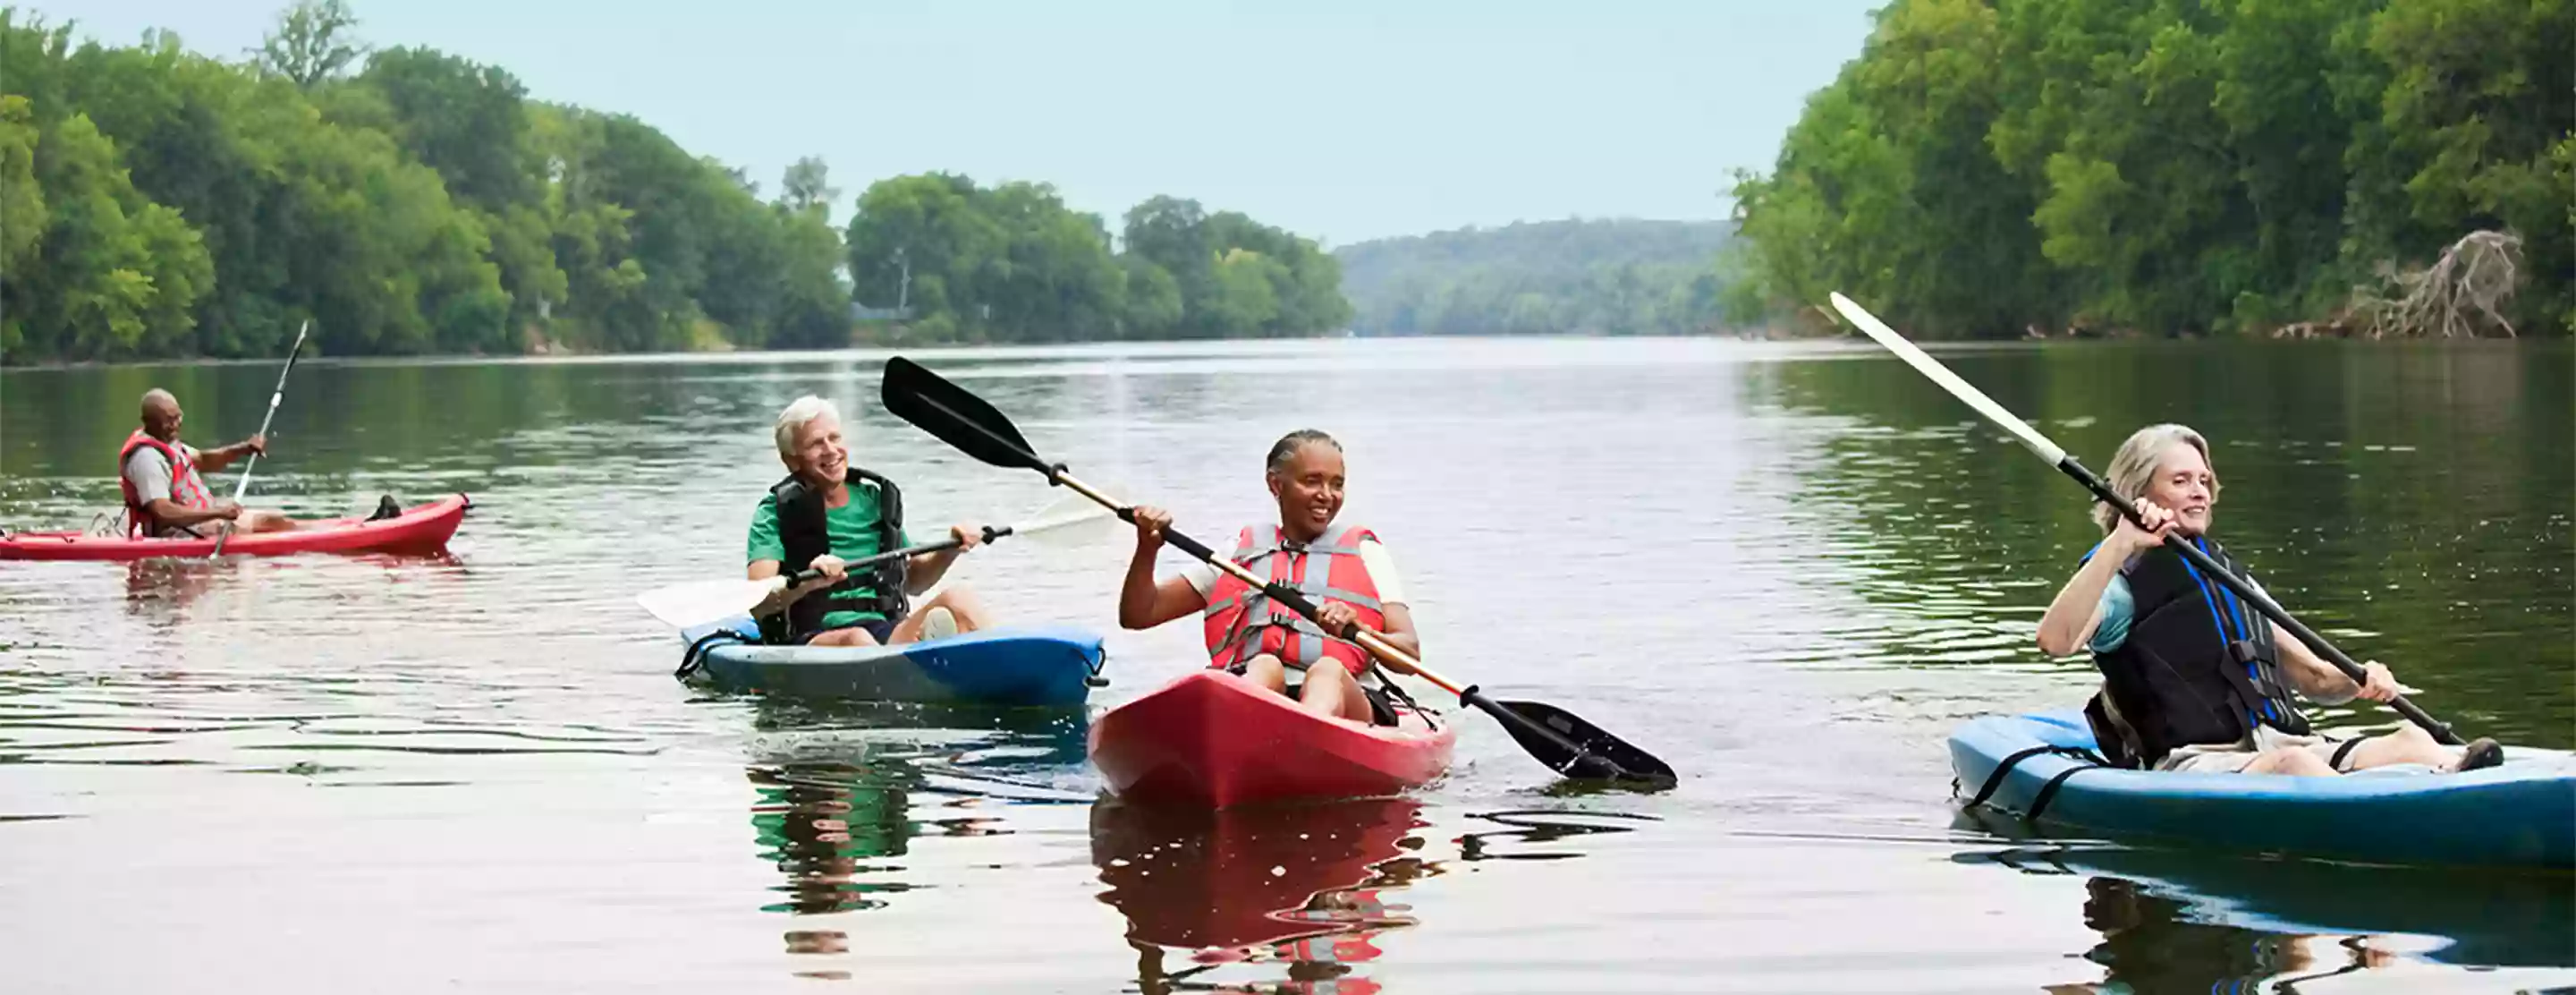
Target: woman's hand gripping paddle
x,y
1567,744
2065,463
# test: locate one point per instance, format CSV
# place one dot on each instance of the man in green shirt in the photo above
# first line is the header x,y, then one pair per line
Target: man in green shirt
x,y
827,514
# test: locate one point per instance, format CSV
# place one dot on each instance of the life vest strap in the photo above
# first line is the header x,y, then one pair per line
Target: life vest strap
x,y
1313,592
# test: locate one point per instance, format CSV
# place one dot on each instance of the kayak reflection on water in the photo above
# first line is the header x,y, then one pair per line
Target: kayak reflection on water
x,y
1313,888
2150,944
2175,919
821,821
834,784
1308,886
161,589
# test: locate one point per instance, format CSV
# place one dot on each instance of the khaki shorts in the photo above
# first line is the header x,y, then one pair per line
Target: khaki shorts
x,y
2229,758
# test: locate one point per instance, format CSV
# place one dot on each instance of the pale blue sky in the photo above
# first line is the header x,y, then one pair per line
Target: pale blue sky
x,y
1340,120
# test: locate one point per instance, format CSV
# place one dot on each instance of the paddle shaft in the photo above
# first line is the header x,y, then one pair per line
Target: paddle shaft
x,y
1370,641
2067,464
1296,601
275,394
974,427
991,532
2252,595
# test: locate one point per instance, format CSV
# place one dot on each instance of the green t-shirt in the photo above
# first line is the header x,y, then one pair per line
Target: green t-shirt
x,y
853,528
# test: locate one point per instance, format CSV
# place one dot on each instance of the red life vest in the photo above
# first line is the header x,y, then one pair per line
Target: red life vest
x,y
1243,623
186,488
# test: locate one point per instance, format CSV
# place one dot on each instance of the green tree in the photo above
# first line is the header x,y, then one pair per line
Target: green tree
x,y
808,186
2164,166
1554,277
1153,298
312,42
22,202
467,121
114,275
2473,126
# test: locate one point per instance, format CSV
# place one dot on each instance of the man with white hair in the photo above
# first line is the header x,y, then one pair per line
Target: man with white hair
x,y
827,514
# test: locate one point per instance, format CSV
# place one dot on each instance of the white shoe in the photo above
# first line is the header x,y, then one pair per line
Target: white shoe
x,y
938,623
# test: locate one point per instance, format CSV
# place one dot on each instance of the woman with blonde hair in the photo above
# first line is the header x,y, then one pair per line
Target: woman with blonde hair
x,y
2194,679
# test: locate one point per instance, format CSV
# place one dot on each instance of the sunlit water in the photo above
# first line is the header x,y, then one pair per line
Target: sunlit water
x,y
1790,570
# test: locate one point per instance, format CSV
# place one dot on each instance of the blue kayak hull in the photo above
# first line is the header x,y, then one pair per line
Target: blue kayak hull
x,y
2520,814
1052,666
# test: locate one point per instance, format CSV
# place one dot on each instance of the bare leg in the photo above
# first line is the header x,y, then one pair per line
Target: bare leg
x,y
1267,671
2410,745
1331,691
2288,760
264,520
962,604
856,635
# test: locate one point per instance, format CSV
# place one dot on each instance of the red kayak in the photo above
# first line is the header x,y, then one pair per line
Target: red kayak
x,y
423,529
1212,739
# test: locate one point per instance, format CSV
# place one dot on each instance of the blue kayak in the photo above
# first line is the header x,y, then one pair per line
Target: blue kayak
x,y
2519,814
1052,666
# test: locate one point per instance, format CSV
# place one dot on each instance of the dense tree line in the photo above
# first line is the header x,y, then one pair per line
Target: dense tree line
x,y
1596,277
2169,167
160,203
1012,263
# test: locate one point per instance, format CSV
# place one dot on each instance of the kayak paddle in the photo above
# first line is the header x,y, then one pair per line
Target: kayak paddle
x,y
683,606
274,396
2066,463
1569,745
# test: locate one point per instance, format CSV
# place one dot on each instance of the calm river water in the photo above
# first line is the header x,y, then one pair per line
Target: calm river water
x,y
1789,569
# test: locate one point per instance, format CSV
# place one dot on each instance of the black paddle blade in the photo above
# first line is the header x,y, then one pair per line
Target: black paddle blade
x,y
1571,746
956,417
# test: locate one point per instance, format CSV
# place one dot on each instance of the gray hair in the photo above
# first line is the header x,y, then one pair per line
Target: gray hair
x,y
800,413
2134,467
1286,448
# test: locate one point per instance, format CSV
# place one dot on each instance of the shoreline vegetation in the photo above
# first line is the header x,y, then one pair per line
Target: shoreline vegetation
x,y
2040,169
2291,168
158,203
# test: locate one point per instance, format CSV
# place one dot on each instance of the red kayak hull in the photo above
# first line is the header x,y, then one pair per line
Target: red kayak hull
x,y
1211,740
421,530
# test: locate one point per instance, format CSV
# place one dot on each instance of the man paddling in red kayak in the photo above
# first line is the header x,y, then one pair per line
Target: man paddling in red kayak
x,y
2193,678
819,516
1345,571
166,496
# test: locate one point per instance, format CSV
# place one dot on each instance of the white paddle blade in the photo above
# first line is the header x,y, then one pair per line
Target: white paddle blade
x,y
696,603
1939,374
1064,521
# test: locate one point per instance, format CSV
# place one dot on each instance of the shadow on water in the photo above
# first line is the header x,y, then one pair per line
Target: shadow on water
x,y
2180,920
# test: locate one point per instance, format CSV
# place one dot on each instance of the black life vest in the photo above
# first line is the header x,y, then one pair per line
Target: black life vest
x,y
805,533
2199,665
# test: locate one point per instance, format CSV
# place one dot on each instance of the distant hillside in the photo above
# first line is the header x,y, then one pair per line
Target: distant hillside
x,y
1620,277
